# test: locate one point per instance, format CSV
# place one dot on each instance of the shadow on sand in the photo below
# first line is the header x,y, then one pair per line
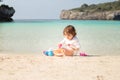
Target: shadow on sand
x,y
88,56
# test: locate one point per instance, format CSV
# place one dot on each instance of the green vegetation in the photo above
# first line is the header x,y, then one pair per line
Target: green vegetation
x,y
110,6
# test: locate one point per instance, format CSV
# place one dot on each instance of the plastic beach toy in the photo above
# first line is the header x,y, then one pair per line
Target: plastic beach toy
x,y
83,54
48,53
45,53
60,45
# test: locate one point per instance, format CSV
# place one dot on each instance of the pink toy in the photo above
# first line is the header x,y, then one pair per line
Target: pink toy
x,y
83,54
60,45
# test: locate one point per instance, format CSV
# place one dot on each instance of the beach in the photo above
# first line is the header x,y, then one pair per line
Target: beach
x,y
41,67
22,44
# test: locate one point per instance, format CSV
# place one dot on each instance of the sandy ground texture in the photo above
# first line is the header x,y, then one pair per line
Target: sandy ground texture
x,y
41,67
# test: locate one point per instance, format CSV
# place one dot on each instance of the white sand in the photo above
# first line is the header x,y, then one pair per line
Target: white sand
x,y
37,67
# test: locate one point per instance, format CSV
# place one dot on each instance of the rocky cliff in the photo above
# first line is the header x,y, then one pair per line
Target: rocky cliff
x,y
6,13
76,15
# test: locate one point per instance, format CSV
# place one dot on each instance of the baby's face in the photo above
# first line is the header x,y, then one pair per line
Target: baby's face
x,y
69,37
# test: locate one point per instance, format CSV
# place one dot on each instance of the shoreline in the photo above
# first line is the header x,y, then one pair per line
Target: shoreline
x,y
41,67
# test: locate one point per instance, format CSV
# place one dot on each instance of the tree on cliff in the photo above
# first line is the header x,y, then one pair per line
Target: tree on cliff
x,y
110,6
84,6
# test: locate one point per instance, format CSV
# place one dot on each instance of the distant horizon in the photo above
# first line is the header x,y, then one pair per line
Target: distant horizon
x,y
45,9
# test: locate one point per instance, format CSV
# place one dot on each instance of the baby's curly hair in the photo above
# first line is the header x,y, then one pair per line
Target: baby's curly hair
x,y
69,30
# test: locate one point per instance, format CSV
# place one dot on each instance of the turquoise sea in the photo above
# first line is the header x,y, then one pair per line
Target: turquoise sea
x,y
97,37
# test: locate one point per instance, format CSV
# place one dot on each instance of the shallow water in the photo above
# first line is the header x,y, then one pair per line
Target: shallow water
x,y
97,37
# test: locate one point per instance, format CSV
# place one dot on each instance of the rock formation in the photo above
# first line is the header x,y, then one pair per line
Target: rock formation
x,y
6,13
75,15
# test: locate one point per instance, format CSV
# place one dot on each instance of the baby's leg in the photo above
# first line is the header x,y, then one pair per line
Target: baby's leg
x,y
68,52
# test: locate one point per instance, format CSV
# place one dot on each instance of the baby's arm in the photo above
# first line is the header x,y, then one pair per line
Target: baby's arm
x,y
73,47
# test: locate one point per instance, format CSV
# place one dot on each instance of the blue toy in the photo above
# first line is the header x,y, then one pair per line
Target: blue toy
x,y
48,53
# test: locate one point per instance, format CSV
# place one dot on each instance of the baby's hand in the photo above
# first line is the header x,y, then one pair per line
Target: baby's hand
x,y
59,45
72,46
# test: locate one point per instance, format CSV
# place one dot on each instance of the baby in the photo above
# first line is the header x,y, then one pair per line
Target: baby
x,y
70,44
